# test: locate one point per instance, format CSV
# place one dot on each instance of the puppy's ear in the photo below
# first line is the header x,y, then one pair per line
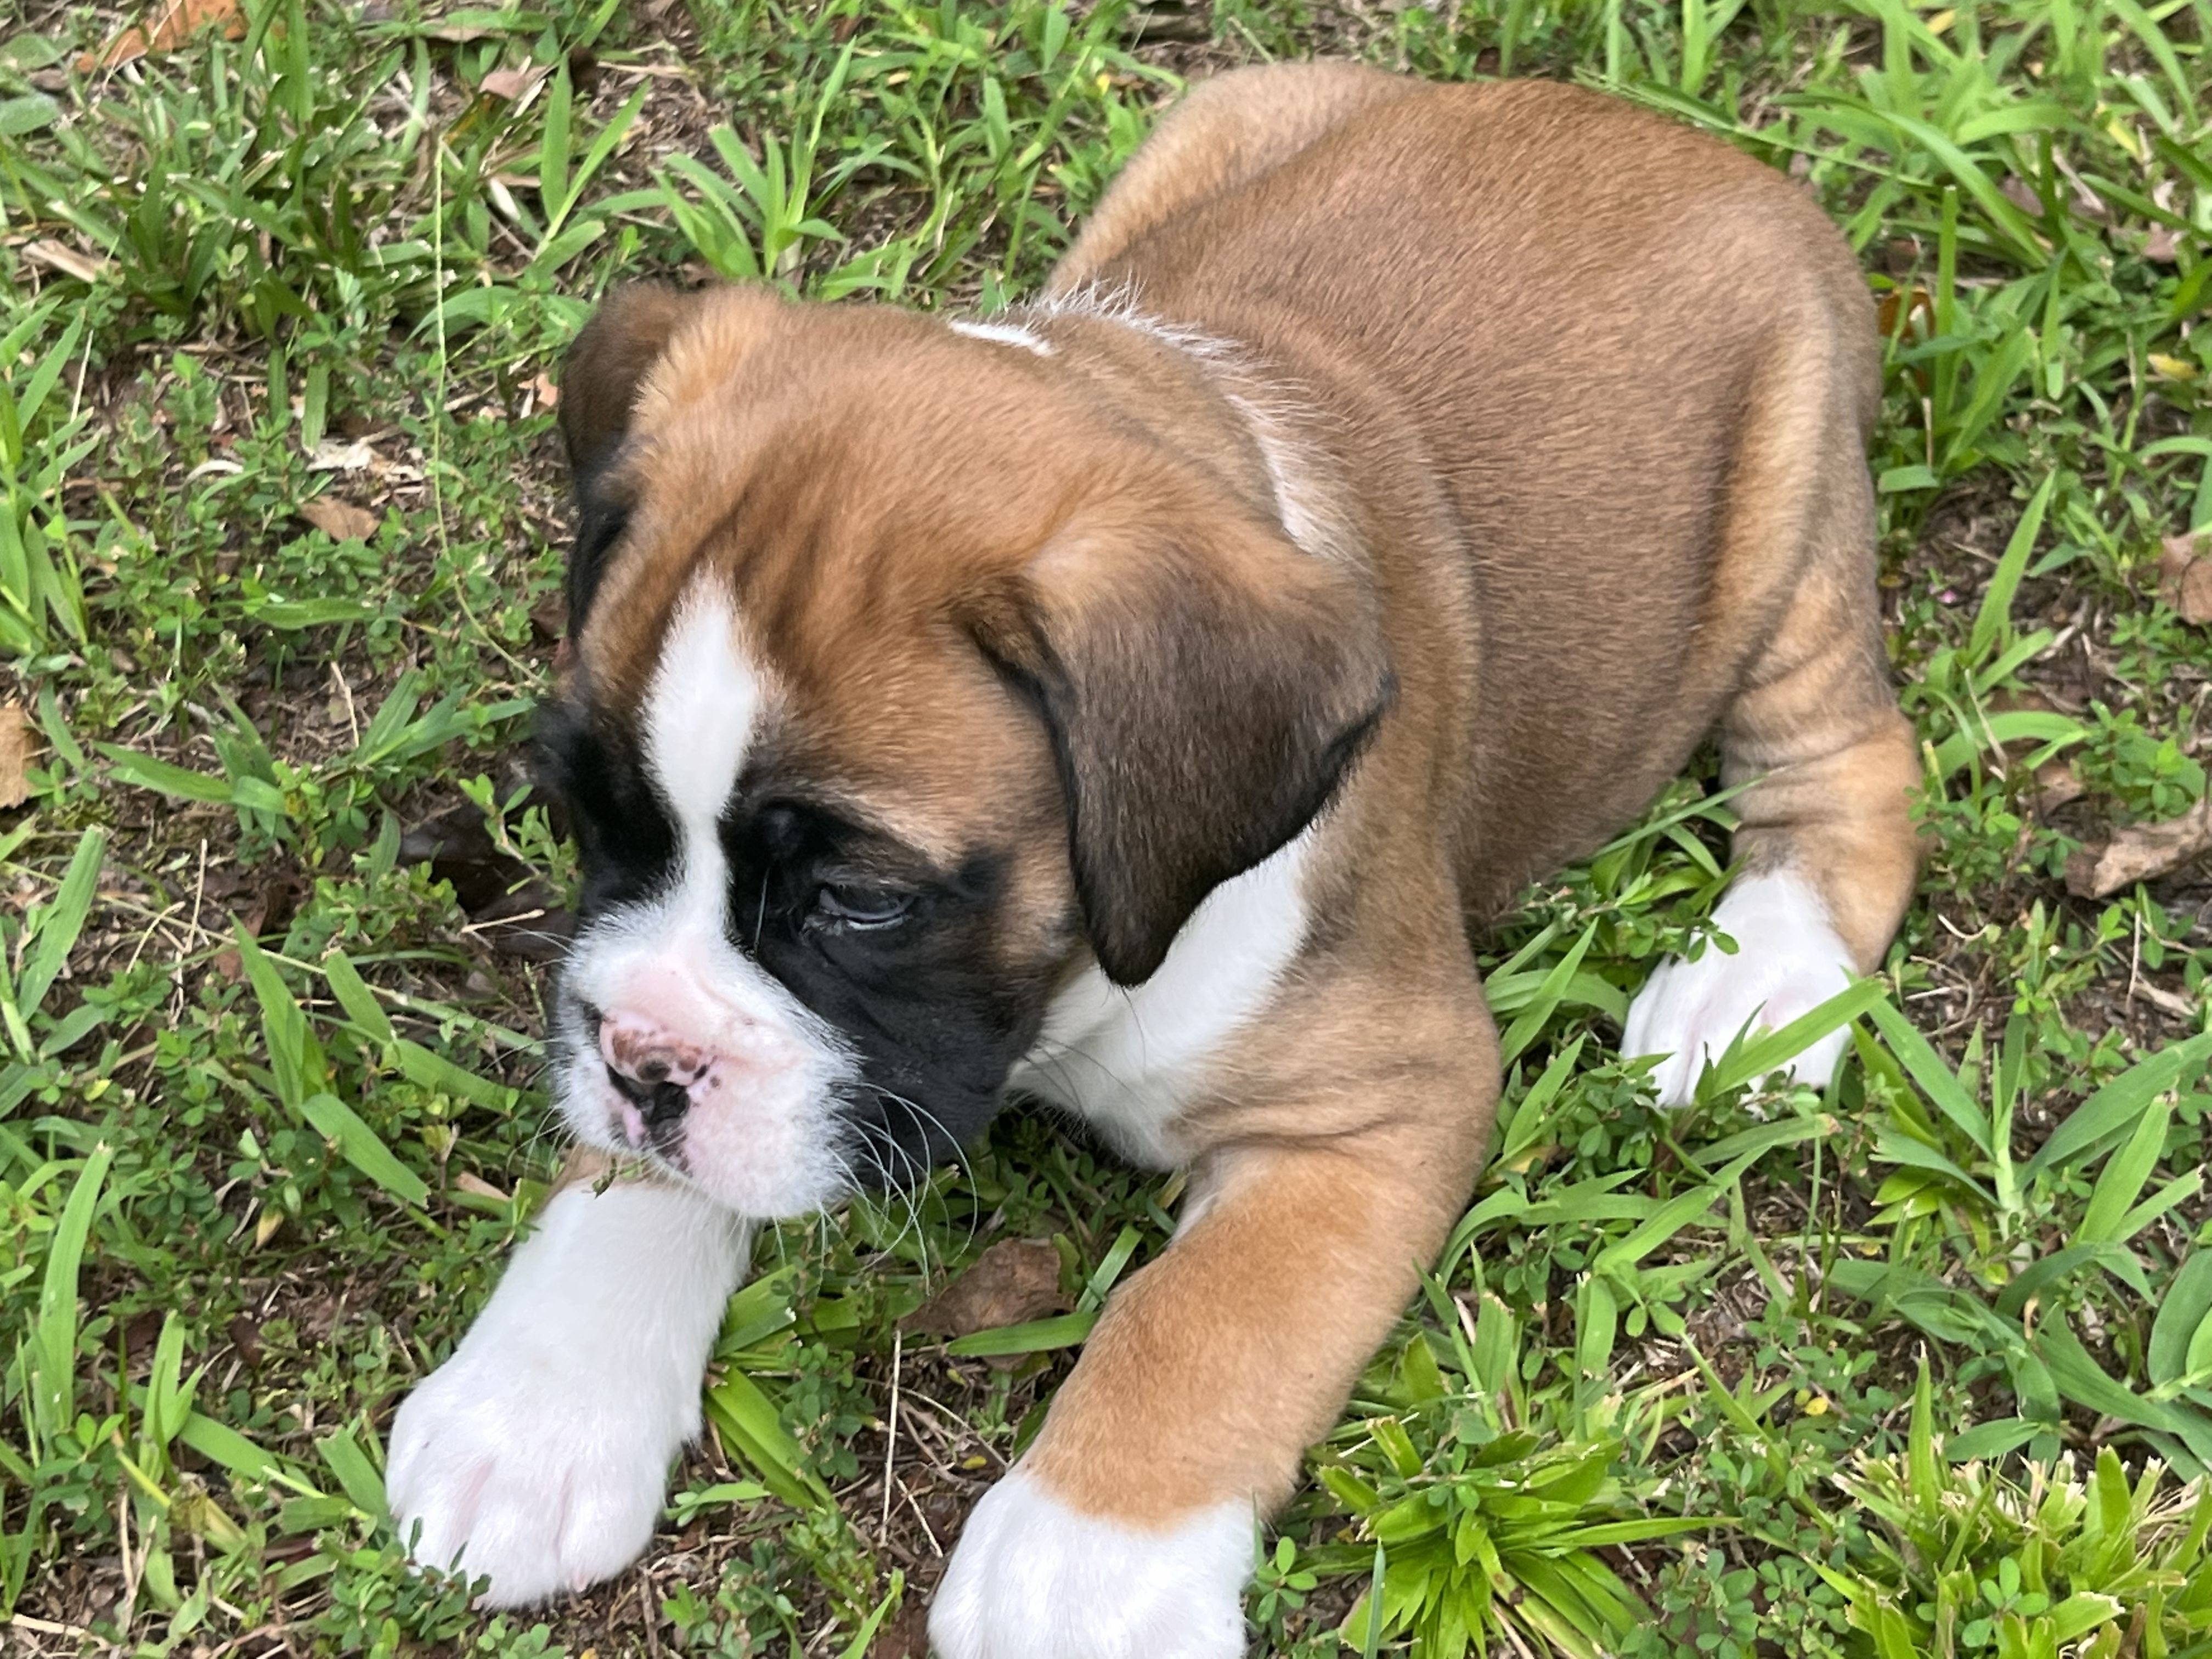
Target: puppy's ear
x,y
600,379
1207,686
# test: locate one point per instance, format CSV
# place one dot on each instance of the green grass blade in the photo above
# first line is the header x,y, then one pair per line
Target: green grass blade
x,y
222,1444
1992,1440
1037,1336
553,194
1529,1116
747,1421
2114,1108
2125,1174
1763,1138
603,145
52,1368
434,1071
1990,732
1659,1228
2169,1196
1597,1315
61,921
295,1058
1935,1079
357,1477
357,1000
360,1145
1993,621
1765,1053
2182,1310
1371,1645
144,772
2083,1380
1891,1146
1110,1268
1530,1024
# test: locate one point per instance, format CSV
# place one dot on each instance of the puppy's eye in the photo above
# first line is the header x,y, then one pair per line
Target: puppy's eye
x,y
851,906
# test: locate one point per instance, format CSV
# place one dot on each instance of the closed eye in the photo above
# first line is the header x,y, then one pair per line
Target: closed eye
x,y
862,909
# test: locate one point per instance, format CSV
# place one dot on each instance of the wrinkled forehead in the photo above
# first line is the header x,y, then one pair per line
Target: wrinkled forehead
x,y
803,538
893,724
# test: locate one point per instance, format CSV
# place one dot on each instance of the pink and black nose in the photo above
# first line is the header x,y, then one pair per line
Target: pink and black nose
x,y
650,1068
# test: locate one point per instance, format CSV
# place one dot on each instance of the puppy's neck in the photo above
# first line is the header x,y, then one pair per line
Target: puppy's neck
x,y
1204,399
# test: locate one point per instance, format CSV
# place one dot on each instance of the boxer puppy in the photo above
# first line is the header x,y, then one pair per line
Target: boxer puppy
x,y
1131,701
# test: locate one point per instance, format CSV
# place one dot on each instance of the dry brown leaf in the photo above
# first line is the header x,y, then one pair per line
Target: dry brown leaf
x,y
2056,784
141,1332
341,521
513,85
70,262
337,455
1015,1281
14,755
548,618
2162,245
1170,21
2022,699
469,1181
548,394
173,25
1917,301
2184,575
272,900
509,908
2180,1006
2141,852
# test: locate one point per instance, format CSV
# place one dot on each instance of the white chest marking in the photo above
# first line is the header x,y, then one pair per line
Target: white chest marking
x,y
1128,1060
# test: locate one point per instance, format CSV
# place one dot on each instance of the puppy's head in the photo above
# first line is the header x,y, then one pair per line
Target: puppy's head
x,y
904,680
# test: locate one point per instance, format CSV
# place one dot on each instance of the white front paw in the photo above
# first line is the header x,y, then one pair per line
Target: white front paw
x,y
1788,961
517,1467
1032,1578
538,1453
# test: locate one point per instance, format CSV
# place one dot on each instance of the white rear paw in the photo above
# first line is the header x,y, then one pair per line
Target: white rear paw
x,y
1033,1579
538,1453
1788,961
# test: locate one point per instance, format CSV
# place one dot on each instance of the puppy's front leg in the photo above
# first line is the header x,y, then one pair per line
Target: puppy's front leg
x,y
1128,1531
539,1452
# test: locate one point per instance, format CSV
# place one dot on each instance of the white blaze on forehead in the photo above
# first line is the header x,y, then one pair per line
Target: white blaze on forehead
x,y
700,717
762,1131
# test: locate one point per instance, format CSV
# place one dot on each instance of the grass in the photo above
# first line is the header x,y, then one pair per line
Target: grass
x,y
1922,1368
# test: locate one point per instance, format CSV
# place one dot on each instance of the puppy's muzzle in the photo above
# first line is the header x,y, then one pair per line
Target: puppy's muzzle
x,y
662,1105
651,1069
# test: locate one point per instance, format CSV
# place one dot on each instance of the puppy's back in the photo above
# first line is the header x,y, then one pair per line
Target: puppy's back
x,y
1562,325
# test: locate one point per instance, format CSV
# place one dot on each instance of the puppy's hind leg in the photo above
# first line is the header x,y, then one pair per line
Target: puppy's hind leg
x,y
1825,839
